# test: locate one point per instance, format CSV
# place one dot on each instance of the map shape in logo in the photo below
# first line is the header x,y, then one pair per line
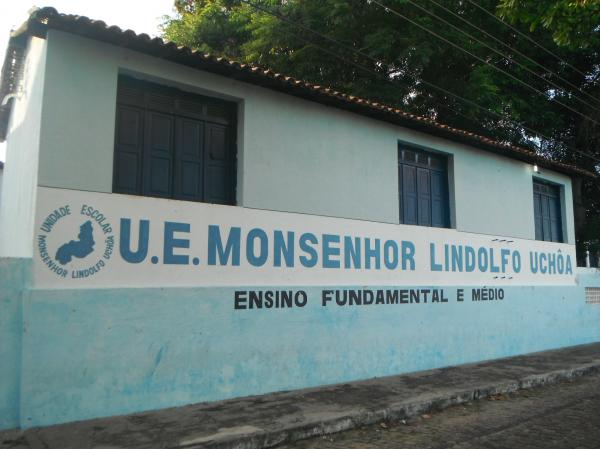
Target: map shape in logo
x,y
77,248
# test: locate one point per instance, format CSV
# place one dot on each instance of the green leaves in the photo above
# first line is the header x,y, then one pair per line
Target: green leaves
x,y
209,25
371,52
572,23
367,51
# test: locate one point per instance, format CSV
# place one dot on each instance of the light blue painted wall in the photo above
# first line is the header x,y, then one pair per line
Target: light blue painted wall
x,y
89,353
104,352
294,155
14,276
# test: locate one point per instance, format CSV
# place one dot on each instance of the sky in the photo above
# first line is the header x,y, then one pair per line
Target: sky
x,y
142,16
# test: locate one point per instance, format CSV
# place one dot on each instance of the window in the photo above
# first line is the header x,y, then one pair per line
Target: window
x,y
423,184
547,212
173,144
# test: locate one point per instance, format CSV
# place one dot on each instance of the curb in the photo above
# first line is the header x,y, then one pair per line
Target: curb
x,y
260,439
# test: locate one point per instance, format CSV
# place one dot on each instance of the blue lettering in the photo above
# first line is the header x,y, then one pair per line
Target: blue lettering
x,y
457,257
215,246
434,266
280,247
533,262
504,253
330,251
560,264
482,260
408,255
446,257
551,263
351,252
125,241
516,261
171,243
543,267
390,254
260,259
305,240
470,259
372,253
494,268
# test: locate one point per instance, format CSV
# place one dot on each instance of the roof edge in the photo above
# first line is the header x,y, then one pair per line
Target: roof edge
x,y
43,19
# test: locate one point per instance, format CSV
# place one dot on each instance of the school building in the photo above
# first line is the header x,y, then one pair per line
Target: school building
x,y
179,228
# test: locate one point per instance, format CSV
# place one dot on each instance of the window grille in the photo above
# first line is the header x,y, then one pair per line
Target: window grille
x,y
592,295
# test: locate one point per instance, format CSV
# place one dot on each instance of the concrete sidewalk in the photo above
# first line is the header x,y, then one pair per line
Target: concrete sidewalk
x,y
265,421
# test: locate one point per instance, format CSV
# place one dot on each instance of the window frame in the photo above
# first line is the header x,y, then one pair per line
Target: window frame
x,y
444,171
559,198
185,105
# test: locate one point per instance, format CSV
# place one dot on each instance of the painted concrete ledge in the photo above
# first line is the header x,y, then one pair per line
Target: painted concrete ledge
x,y
266,421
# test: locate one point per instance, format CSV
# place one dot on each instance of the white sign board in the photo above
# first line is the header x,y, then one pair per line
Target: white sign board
x,y
96,240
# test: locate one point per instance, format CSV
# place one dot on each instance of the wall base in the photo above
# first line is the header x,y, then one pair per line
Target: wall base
x,y
93,353
14,277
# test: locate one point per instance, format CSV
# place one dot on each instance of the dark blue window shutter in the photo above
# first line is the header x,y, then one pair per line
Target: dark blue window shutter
x,y
409,194
173,144
547,212
128,150
217,162
400,190
189,163
424,196
158,154
537,205
546,228
423,188
555,219
439,199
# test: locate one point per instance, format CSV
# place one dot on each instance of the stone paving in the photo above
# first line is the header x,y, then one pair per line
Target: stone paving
x,y
274,419
564,416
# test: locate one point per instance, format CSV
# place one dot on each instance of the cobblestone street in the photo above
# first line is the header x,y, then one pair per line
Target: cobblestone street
x,y
565,416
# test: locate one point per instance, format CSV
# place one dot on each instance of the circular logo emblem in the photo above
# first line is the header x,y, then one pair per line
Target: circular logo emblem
x,y
75,241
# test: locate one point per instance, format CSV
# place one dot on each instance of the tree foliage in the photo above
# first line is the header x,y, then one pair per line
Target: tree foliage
x,y
367,51
573,23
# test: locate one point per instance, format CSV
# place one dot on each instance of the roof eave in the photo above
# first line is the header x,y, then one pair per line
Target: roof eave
x,y
48,18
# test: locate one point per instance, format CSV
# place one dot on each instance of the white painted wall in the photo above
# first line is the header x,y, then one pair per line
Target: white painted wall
x,y
294,155
17,202
78,127
1,175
